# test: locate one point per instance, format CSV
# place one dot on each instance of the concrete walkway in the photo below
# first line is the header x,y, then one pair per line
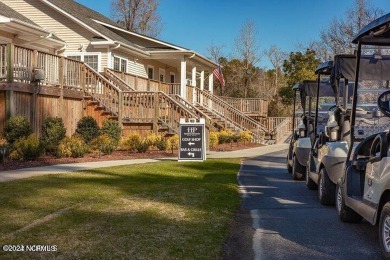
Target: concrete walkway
x,y
64,168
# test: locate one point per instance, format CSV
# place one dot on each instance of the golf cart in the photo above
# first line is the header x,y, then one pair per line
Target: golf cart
x,y
364,189
302,135
330,148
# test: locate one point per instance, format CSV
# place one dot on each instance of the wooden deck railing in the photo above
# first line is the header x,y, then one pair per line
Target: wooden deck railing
x,y
146,106
17,64
144,84
233,116
257,106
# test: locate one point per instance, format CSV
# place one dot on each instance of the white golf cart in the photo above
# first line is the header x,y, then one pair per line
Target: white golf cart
x,y
364,189
303,133
329,151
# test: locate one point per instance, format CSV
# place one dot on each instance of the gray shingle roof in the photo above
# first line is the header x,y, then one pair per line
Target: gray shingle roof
x,y
11,13
86,15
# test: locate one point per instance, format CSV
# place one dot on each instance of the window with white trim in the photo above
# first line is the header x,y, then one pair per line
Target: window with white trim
x,y
120,64
90,58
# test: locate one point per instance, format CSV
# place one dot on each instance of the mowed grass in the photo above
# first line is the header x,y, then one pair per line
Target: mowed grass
x,y
165,210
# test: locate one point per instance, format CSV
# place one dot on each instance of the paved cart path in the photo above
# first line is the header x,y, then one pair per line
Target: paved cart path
x,y
281,219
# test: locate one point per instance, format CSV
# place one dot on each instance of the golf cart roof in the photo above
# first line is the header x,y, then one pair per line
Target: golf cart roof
x,y
375,33
372,67
325,68
308,88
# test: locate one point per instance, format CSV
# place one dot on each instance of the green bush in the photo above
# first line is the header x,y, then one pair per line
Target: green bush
x,y
213,139
105,143
245,136
72,147
17,127
131,142
161,143
88,128
225,136
143,146
27,148
113,130
173,142
52,132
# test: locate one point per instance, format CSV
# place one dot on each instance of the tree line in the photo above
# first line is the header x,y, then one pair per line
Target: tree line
x,y
243,77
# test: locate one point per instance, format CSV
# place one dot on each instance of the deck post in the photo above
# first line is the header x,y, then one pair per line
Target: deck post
x,y
211,90
201,87
193,83
156,111
183,79
120,107
10,79
61,82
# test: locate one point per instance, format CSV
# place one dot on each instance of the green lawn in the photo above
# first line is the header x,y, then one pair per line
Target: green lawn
x,y
165,210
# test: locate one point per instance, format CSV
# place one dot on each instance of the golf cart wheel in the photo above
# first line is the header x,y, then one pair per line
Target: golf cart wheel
x,y
298,170
346,214
384,230
289,167
310,184
326,188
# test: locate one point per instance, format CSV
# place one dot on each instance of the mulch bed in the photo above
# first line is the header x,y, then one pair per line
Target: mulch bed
x,y
116,155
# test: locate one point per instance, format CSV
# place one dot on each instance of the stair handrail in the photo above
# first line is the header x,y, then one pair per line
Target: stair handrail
x,y
117,80
103,90
281,129
173,119
198,112
232,109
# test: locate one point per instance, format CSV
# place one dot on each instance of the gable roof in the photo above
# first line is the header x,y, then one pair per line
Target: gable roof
x,y
99,23
15,17
7,11
114,33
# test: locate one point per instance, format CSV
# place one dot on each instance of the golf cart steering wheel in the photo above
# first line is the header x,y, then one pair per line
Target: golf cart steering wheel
x,y
380,145
384,103
332,108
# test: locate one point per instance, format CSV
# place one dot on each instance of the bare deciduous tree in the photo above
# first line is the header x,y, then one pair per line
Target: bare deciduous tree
x,y
337,37
247,49
276,56
139,16
215,52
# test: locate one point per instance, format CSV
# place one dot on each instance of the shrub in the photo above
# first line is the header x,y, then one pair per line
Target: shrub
x,y
225,136
3,142
161,143
113,130
173,142
143,146
27,148
105,142
72,147
213,139
88,128
17,127
52,132
245,136
152,139
131,142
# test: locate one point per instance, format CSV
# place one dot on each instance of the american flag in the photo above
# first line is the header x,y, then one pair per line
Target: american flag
x,y
218,74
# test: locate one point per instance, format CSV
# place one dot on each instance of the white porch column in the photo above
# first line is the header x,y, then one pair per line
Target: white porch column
x,y
211,88
193,84
183,79
201,87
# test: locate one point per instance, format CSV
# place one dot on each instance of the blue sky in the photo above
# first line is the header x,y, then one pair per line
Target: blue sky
x,y
196,24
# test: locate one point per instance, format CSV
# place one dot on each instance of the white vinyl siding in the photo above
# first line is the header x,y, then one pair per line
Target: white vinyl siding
x,y
46,17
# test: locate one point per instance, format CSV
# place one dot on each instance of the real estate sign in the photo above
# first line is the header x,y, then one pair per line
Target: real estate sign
x,y
192,143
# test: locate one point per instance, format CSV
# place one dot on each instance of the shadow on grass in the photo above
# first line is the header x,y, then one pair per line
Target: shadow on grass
x,y
201,187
